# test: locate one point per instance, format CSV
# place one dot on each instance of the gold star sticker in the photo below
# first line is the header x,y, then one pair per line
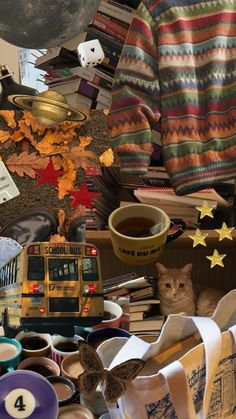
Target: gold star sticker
x,y
198,238
225,232
206,210
216,259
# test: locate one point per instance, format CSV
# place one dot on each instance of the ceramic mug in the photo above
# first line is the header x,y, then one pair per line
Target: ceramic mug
x,y
64,388
71,367
112,315
34,344
96,337
63,346
139,232
10,353
42,365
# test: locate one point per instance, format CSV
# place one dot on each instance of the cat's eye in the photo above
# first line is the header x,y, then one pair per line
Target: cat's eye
x,y
168,285
181,285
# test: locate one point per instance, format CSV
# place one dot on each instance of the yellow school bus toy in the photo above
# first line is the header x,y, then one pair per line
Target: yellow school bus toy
x,y
51,287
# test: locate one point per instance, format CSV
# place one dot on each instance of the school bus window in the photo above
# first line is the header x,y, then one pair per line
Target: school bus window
x,y
63,269
36,268
90,270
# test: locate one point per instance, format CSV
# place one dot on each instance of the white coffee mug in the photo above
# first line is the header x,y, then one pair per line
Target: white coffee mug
x,y
63,346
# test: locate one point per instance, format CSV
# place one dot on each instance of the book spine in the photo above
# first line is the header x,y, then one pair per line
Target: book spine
x,y
142,294
107,27
113,43
121,15
121,6
113,18
87,89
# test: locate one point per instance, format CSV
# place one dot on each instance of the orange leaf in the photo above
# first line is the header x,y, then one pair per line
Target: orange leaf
x,y
56,238
4,136
52,143
18,136
26,131
31,122
82,158
105,111
9,117
61,218
24,163
85,141
107,158
66,182
57,162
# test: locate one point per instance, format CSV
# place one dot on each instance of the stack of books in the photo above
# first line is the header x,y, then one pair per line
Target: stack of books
x,y
175,206
145,317
139,300
89,87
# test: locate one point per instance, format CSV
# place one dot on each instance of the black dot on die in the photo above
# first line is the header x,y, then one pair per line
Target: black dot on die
x,y
83,59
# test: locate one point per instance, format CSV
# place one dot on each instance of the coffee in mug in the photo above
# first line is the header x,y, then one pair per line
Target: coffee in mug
x,y
66,346
139,232
10,354
33,343
41,369
7,351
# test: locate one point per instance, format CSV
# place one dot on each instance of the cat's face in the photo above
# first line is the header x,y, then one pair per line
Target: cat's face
x,y
174,283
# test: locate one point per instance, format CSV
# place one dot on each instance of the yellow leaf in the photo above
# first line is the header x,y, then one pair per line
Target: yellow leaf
x,y
25,163
52,143
61,218
107,158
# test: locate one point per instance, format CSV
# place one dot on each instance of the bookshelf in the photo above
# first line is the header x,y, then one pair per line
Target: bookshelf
x,y
176,254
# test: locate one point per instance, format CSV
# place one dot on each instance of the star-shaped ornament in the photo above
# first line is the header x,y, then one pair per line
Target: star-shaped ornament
x,y
206,210
198,238
216,259
225,232
49,174
83,197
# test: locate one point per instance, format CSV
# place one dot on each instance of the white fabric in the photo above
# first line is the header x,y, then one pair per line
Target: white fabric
x,y
198,373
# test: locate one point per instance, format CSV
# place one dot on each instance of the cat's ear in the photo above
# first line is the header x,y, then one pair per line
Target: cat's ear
x,y
187,269
161,269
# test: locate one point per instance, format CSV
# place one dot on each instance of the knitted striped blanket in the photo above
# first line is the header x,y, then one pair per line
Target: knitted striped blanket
x,y
178,67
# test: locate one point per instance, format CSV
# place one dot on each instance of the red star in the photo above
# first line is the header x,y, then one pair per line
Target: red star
x,y
49,174
83,197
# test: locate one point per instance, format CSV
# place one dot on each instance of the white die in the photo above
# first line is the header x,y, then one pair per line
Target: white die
x,y
90,53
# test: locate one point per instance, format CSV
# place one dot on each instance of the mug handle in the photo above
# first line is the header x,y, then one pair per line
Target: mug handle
x,y
182,227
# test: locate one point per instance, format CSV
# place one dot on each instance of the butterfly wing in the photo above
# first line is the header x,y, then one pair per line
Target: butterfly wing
x,y
89,358
88,381
114,388
128,370
118,376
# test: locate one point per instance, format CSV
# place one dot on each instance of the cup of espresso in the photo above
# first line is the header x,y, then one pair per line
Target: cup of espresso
x,y
63,346
34,344
42,365
10,353
139,232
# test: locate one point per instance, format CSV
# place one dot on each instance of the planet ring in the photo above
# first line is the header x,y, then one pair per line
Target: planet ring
x,y
26,102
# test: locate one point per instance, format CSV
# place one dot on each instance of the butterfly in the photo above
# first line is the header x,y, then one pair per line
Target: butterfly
x,y
94,373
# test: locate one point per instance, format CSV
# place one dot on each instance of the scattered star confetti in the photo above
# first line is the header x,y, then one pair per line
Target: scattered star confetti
x,y
206,210
225,232
198,238
216,259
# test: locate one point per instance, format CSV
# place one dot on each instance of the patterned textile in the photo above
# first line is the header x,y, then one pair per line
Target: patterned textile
x,y
178,67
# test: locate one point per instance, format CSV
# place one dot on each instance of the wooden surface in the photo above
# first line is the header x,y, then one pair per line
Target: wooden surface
x,y
176,254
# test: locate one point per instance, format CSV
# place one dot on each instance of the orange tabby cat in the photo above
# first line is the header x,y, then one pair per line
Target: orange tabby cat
x,y
177,294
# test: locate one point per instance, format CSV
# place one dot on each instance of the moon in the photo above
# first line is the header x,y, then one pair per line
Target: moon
x,y
39,24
